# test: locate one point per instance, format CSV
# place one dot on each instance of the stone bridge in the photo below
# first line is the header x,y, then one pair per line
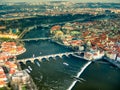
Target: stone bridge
x,y
46,57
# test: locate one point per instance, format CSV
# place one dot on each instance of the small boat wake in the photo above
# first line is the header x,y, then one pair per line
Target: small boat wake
x,y
66,64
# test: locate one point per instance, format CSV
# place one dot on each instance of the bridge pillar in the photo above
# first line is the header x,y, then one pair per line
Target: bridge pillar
x,y
54,58
67,55
39,59
24,62
32,60
47,59
60,56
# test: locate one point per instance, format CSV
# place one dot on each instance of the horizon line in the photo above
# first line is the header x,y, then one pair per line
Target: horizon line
x,y
75,1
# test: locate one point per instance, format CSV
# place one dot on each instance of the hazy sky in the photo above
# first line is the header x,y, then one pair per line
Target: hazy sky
x,y
115,1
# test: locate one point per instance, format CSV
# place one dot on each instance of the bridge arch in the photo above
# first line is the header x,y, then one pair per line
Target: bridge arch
x,y
70,55
28,62
21,63
37,62
43,59
51,58
58,57
64,56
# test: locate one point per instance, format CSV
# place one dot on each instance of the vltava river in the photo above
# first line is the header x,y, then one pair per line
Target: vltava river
x,y
58,73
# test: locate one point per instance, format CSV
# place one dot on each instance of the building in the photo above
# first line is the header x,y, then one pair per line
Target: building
x,y
20,77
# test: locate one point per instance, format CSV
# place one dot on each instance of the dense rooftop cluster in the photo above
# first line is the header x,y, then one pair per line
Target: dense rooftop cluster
x,y
5,77
101,35
10,49
8,66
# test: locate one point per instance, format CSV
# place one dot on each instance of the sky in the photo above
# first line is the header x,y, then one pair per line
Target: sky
x,y
104,1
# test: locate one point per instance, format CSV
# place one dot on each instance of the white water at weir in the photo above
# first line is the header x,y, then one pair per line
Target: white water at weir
x,y
78,75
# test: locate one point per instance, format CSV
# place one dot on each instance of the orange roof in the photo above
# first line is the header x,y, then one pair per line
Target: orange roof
x,y
10,64
19,48
12,71
3,76
2,72
56,27
95,54
113,39
85,33
118,49
2,83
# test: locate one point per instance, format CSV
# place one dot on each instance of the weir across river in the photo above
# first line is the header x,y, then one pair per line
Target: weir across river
x,y
78,75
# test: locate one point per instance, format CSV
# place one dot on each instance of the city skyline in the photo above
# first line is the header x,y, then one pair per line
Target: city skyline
x,y
94,1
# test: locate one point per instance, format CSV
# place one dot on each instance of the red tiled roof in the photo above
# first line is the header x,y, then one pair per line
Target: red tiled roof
x,y
2,82
56,27
12,71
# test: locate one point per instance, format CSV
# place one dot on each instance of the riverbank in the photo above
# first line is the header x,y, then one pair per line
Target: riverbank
x,y
113,62
57,42
25,31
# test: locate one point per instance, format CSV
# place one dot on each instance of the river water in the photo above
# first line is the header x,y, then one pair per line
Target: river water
x,y
59,73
